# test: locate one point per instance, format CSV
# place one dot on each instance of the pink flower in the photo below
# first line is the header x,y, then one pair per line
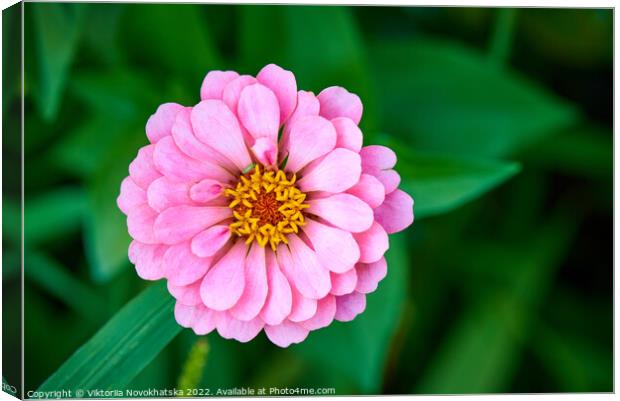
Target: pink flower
x,y
261,208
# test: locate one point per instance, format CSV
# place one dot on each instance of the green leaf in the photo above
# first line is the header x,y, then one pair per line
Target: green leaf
x,y
576,362
120,103
75,154
573,340
440,183
554,34
258,46
358,350
53,214
481,349
159,371
57,32
59,282
583,151
170,38
120,95
479,353
121,348
101,33
503,33
223,367
443,97
107,239
321,45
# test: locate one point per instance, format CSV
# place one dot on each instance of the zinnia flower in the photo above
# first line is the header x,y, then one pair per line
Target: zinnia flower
x,y
261,208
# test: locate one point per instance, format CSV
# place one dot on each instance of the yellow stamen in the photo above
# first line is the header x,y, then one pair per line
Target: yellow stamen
x,y
267,207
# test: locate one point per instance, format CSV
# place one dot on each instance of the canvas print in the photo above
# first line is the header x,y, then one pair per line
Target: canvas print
x,y
214,200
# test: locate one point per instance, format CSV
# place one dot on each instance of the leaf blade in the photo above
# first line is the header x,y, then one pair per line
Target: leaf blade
x,y
185,47
458,102
440,183
480,352
53,214
59,282
58,28
122,347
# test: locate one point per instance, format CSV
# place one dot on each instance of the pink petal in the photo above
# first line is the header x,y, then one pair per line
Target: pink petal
x,y
310,138
390,180
286,333
344,211
396,212
214,83
206,320
303,308
232,92
369,189
302,267
180,223
147,259
336,249
279,298
307,105
216,126
266,151
186,294
349,134
182,267
140,223
344,283
185,314
373,243
255,292
242,331
338,171
376,158
164,193
350,305
325,312
224,283
259,112
177,166
206,190
283,84
338,102
142,169
186,140
199,318
369,275
131,196
210,241
160,123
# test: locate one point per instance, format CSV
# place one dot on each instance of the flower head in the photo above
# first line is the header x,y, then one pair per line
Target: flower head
x,y
261,208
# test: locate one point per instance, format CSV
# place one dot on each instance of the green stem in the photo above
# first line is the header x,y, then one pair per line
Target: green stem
x,y
194,365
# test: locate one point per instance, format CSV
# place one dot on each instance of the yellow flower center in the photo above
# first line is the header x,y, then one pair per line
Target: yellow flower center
x,y
267,206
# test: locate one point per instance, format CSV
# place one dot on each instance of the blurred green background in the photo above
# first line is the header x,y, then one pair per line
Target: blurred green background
x,y
502,121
